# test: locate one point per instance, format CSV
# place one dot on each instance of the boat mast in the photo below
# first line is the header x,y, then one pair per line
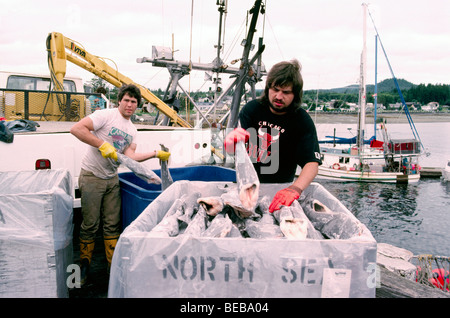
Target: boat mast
x,y
245,66
223,4
375,94
362,92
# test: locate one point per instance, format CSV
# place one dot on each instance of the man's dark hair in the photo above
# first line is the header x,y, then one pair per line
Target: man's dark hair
x,y
285,73
131,90
101,90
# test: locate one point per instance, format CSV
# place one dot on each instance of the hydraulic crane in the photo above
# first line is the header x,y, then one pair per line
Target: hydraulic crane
x,y
61,49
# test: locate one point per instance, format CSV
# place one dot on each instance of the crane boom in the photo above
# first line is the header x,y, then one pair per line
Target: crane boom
x,y
57,47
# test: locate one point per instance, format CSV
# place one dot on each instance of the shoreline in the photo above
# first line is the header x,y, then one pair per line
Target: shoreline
x,y
391,118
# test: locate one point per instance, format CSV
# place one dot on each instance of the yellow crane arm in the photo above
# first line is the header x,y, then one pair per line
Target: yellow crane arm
x,y
57,44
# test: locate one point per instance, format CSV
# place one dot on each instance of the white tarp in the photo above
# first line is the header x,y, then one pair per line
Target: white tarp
x,y
145,265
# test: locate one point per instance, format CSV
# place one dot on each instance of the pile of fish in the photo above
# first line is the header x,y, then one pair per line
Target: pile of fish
x,y
225,216
240,211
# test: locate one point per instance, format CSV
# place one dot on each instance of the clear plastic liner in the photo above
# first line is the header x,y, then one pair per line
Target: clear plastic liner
x,y
147,265
36,231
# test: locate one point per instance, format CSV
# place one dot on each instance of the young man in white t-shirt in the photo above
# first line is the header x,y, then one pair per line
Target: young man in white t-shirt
x,y
107,131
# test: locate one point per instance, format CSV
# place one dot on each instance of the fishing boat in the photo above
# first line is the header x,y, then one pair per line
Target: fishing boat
x,y
371,160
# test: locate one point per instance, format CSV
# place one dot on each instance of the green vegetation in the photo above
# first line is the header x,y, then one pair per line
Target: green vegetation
x,y
387,94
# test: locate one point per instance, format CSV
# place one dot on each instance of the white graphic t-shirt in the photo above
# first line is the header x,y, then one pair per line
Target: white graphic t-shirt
x,y
112,127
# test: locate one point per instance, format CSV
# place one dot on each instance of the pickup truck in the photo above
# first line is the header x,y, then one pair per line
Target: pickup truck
x,y
54,145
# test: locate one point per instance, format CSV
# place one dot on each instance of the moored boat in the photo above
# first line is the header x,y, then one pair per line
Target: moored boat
x,y
357,159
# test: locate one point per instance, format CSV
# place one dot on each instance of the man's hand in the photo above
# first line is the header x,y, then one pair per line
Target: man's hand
x,y
284,197
238,134
108,151
162,155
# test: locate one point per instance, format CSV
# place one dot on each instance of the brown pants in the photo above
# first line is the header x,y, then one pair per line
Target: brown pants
x,y
99,198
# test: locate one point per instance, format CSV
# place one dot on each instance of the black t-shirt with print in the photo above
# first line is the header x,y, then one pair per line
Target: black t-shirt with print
x,y
279,143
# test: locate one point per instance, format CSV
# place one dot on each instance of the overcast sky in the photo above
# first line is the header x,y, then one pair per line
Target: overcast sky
x,y
324,35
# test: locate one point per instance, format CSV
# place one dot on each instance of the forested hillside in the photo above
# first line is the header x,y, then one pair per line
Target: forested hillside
x,y
387,93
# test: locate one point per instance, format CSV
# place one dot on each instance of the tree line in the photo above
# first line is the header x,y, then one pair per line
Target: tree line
x,y
419,94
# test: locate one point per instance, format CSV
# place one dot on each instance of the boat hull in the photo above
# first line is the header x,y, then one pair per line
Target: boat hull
x,y
366,176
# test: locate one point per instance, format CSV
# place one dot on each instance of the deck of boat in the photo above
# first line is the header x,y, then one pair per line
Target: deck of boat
x,y
64,127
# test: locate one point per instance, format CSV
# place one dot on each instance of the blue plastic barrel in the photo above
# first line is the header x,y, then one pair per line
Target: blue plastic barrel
x,y
137,194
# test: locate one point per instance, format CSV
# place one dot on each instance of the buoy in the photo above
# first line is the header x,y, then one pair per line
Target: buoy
x,y
440,276
336,166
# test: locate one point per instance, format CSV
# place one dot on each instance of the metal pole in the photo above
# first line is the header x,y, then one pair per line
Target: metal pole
x,y
232,122
375,91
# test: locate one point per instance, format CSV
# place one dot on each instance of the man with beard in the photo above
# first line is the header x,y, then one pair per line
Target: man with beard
x,y
280,134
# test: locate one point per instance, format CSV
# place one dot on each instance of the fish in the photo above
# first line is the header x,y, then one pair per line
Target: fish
x,y
232,200
257,229
190,206
246,177
166,178
333,225
263,210
139,169
169,226
298,213
198,223
291,227
212,205
234,231
220,226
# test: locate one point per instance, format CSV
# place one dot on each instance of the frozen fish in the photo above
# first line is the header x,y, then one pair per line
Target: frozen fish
x,y
263,210
231,199
169,225
220,226
257,229
291,227
166,178
198,223
190,205
298,213
139,169
246,177
212,205
333,225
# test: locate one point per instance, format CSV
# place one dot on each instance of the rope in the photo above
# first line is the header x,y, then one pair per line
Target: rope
x,y
436,277
408,115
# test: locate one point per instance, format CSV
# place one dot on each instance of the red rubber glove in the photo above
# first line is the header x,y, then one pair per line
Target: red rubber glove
x,y
238,134
284,197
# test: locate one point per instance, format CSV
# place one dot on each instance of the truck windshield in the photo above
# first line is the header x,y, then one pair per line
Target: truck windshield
x,y
35,83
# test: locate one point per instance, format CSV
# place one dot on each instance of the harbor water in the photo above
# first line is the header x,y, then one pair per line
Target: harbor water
x,y
412,216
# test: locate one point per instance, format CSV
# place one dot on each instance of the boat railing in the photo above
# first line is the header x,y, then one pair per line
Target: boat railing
x,y
433,270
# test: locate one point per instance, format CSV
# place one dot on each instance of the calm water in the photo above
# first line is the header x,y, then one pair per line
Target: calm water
x,y
415,216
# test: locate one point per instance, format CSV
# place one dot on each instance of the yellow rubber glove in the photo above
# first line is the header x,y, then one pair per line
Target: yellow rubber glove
x,y
108,151
162,155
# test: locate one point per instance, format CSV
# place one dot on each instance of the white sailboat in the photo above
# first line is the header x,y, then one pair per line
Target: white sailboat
x,y
390,160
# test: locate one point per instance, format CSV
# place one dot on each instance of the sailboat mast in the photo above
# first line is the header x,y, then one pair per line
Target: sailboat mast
x,y
222,9
244,67
362,94
375,93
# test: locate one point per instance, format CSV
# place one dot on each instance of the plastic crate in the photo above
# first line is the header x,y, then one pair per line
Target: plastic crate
x,y
137,194
36,233
147,264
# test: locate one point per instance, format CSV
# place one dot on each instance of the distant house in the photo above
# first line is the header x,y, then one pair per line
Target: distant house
x,y
396,106
352,107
